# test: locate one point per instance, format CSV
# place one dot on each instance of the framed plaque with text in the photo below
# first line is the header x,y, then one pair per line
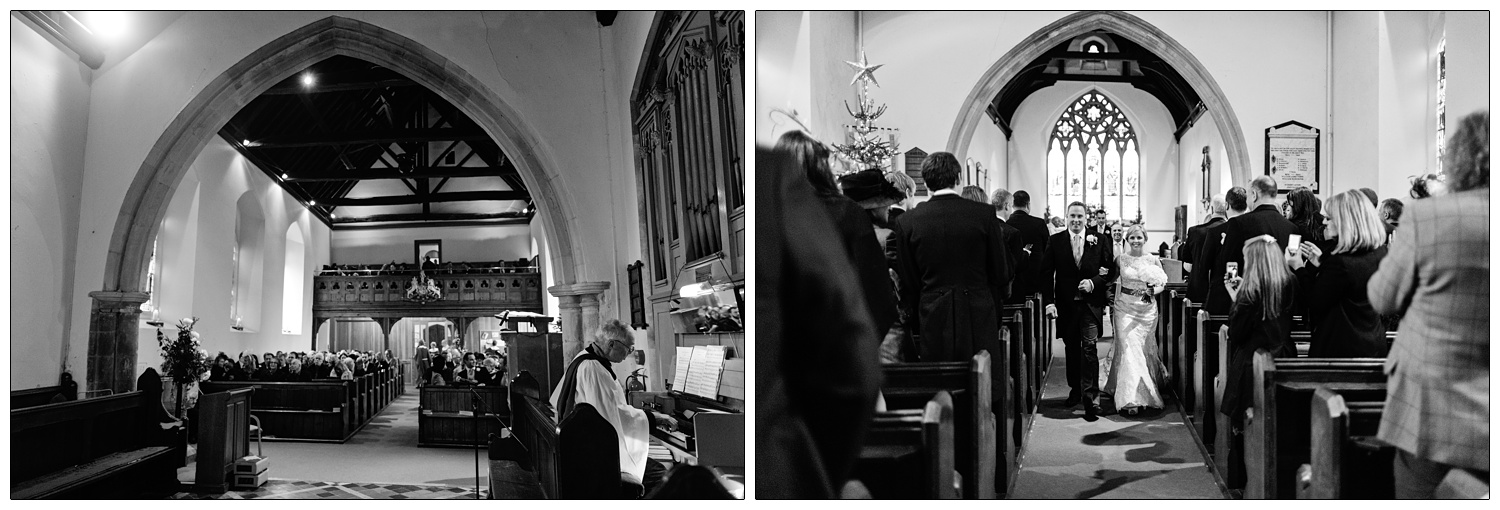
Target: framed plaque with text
x,y
1292,155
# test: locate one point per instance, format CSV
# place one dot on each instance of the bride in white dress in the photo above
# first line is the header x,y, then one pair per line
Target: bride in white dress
x,y
1135,368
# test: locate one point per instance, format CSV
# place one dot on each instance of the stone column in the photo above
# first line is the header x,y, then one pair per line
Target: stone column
x,y
580,313
113,332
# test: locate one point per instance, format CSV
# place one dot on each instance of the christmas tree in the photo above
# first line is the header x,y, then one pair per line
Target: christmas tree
x,y
867,149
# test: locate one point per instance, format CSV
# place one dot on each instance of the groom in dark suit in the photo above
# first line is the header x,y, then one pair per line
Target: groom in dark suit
x,y
1080,265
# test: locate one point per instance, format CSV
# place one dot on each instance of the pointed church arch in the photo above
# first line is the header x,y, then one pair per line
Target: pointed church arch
x,y
112,340
972,111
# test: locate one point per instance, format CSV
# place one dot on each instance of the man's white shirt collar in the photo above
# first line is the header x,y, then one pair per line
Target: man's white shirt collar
x,y
945,191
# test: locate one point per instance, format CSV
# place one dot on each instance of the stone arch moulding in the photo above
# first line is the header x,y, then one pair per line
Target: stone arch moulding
x,y
971,112
112,341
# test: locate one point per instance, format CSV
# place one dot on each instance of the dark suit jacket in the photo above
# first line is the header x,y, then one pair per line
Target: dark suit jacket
x,y
857,235
1204,273
1344,325
1033,233
1058,267
816,374
954,276
1266,219
1015,257
1195,236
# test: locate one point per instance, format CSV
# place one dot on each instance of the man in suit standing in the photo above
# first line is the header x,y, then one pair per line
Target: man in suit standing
x,y
1437,403
1217,211
1079,266
1014,247
1235,204
1264,218
1033,242
424,364
951,261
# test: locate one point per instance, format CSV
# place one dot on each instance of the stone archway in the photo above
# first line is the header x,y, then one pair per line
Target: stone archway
x,y
972,112
112,325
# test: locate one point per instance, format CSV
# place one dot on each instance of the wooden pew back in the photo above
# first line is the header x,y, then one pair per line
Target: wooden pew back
x,y
1346,461
322,410
913,385
54,436
1278,438
1204,374
909,454
223,437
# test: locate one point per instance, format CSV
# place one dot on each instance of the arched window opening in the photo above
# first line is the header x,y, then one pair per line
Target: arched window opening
x,y
291,295
1093,157
1442,100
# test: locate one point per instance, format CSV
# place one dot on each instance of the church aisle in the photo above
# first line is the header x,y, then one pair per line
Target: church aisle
x,y
1151,456
385,451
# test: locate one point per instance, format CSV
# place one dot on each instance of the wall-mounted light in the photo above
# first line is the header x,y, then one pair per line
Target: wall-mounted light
x,y
308,79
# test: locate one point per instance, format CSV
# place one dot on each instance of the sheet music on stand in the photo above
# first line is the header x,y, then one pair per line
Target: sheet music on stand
x,y
680,376
704,370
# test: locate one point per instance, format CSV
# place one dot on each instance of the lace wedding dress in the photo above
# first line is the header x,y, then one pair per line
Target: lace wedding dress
x,y
1135,368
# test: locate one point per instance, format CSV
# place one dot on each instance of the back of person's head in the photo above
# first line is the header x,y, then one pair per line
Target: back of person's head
x,y
1020,200
1237,199
1390,211
1370,193
1356,222
1467,160
902,182
1264,187
1000,199
1217,206
1266,275
941,170
611,329
974,193
811,157
1305,205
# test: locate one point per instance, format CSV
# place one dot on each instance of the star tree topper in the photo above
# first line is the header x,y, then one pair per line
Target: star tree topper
x,y
864,71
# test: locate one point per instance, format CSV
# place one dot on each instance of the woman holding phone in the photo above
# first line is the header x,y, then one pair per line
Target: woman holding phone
x,y
1260,318
1344,324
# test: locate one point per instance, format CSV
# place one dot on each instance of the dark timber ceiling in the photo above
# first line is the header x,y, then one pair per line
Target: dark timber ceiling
x,y
1124,62
364,147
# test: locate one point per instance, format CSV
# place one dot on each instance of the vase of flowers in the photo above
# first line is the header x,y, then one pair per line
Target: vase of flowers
x,y
183,359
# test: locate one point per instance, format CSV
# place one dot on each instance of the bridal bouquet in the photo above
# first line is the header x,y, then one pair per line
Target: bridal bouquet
x,y
1153,276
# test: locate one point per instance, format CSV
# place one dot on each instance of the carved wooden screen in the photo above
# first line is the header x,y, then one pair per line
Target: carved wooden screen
x,y
688,111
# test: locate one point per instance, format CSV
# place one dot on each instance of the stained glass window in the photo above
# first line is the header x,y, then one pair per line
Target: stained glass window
x,y
1093,157
1442,99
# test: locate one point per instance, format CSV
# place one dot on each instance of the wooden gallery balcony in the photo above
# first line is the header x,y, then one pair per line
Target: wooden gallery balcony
x,y
381,294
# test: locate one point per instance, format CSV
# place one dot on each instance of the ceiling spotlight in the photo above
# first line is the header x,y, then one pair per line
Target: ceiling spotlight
x,y
245,143
284,177
332,215
308,80
312,202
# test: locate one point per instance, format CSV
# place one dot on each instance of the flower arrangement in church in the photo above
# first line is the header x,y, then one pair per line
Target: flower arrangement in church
x,y
423,289
183,358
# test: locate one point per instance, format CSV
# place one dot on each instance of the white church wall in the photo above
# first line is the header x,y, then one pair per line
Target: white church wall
x,y
1468,35
989,148
49,100
1204,133
781,74
1406,127
627,42
550,77
1356,147
1033,123
195,254
460,244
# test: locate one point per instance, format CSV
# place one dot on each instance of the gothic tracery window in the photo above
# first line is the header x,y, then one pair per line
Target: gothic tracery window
x,y
1093,157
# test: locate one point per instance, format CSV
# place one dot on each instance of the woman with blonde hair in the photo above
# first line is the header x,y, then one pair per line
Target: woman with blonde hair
x,y
1344,324
1260,318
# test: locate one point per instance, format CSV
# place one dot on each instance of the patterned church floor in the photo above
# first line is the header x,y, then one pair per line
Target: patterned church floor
x,y
382,461
1149,456
288,489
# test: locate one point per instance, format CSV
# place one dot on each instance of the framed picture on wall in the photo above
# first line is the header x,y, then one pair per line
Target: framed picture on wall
x,y
1292,155
425,249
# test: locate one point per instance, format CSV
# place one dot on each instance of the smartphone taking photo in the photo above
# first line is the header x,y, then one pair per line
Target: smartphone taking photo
x,y
1293,245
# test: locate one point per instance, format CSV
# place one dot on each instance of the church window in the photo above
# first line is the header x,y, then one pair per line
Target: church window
x,y
1442,100
1093,157
291,293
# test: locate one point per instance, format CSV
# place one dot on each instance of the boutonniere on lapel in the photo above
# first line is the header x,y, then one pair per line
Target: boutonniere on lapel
x,y
1090,238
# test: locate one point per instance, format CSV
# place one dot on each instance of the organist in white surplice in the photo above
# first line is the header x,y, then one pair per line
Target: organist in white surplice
x,y
590,378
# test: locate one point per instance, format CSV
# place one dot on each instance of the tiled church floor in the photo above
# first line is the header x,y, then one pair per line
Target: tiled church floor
x,y
288,489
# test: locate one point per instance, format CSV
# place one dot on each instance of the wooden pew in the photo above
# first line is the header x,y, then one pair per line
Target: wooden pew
x,y
324,410
1277,440
32,397
1347,461
223,438
909,454
913,385
1204,374
1013,321
1186,348
445,414
565,472
106,447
